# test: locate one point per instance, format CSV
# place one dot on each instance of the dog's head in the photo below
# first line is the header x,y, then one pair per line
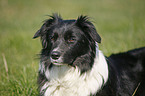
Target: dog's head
x,y
70,42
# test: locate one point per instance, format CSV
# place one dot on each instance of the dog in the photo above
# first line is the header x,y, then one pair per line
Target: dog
x,y
71,63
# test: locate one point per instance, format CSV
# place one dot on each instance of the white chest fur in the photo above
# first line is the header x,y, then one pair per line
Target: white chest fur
x,y
67,81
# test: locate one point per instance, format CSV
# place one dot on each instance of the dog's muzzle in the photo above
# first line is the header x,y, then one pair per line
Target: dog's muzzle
x,y
56,58
55,55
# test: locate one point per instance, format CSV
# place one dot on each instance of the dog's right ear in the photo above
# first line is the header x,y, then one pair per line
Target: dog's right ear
x,y
42,30
37,34
54,19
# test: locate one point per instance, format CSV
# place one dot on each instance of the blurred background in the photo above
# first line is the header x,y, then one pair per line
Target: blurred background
x,y
120,23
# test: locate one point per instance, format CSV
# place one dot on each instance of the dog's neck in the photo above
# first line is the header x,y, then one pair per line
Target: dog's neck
x,y
67,81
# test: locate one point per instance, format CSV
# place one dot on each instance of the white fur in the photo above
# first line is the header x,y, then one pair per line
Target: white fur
x,y
41,67
67,81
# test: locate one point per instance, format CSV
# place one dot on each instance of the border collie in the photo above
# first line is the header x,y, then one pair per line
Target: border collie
x,y
71,63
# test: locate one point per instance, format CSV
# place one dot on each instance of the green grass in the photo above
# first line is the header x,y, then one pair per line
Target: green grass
x,y
121,24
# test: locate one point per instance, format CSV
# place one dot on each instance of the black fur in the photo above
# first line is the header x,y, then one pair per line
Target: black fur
x,y
55,29
126,74
76,40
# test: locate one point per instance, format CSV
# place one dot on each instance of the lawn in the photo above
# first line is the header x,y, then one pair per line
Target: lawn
x,y
120,23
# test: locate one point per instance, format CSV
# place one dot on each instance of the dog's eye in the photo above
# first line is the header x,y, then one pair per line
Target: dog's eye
x,y
71,40
54,37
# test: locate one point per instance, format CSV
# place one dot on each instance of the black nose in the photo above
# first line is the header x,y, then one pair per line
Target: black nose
x,y
55,55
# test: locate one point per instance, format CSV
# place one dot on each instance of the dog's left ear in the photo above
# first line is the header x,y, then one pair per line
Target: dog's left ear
x,y
85,25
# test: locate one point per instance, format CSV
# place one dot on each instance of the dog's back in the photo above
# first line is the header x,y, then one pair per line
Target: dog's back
x,y
130,67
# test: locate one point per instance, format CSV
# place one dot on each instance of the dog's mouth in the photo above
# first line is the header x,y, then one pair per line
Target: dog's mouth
x,y
57,62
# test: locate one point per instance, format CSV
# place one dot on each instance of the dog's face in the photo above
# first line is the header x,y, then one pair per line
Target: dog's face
x,y
67,42
70,42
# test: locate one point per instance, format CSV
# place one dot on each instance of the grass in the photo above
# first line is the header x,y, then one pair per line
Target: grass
x,y
120,23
